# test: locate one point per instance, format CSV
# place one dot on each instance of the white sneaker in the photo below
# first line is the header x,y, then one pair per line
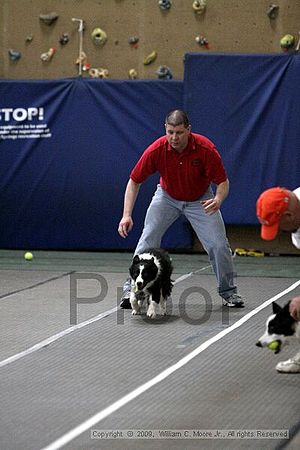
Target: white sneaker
x,y
291,365
234,301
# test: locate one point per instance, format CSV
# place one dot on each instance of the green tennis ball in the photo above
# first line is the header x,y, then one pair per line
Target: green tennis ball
x,y
28,256
273,345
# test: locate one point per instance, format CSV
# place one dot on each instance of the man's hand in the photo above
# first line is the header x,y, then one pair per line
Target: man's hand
x,y
211,206
131,193
125,226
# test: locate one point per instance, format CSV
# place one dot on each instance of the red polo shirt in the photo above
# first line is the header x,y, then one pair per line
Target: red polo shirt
x,y
184,176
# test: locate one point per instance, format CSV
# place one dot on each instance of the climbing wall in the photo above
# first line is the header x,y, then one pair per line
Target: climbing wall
x,y
138,32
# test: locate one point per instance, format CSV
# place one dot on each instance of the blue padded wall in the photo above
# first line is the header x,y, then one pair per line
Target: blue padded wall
x,y
249,105
67,146
66,150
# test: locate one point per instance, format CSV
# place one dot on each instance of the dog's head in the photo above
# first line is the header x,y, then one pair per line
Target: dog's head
x,y
279,326
143,271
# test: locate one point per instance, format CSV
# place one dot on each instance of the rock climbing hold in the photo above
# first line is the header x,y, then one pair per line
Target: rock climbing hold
x,y
201,40
86,67
64,39
133,41
164,73
99,36
150,58
14,55
273,11
48,55
165,4
98,73
103,73
287,42
49,18
29,38
93,73
199,6
132,74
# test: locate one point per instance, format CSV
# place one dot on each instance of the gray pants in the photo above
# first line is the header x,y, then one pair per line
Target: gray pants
x,y
210,230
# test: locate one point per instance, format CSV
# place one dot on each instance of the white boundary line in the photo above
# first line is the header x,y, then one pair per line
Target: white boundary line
x,y
69,330
187,275
75,432
55,337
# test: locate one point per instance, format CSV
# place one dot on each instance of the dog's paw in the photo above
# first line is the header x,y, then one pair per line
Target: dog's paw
x,y
135,312
151,312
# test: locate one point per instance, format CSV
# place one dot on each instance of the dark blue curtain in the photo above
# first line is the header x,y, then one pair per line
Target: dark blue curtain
x,y
249,105
67,146
66,150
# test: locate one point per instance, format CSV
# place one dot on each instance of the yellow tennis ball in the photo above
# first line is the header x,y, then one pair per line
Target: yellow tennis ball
x,y
273,345
28,256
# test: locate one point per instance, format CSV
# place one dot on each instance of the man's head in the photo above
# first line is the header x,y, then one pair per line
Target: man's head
x,y
277,209
177,129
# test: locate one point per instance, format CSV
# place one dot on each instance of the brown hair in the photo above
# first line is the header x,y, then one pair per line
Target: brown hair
x,y
177,117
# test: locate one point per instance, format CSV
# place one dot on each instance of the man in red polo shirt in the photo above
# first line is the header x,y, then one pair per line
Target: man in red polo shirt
x,y
188,164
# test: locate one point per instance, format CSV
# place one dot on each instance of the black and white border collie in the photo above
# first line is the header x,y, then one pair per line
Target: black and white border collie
x,y
279,327
151,283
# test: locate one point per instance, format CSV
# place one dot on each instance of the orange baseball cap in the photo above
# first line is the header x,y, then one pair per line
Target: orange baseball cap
x,y
270,207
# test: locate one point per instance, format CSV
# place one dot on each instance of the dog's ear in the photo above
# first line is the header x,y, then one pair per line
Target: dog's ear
x,y
276,308
152,262
286,307
136,259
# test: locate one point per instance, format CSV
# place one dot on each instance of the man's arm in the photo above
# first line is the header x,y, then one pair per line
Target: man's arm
x,y
212,205
131,193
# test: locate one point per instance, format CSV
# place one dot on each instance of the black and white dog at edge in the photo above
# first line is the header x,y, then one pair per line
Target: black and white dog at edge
x,y
151,283
280,327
